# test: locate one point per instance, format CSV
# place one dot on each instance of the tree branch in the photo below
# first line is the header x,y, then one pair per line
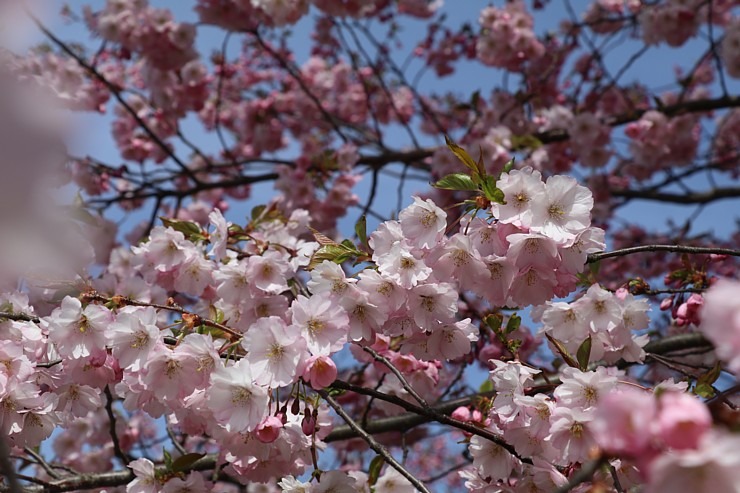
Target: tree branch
x,y
595,257
419,415
112,427
372,443
6,467
679,198
397,373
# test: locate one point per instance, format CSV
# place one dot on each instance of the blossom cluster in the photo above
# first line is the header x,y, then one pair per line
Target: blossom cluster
x,y
507,39
668,435
118,333
675,22
165,43
548,431
249,14
720,321
609,319
657,139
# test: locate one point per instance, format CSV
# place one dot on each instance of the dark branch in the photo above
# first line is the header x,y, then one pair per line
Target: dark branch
x,y
372,443
595,257
679,198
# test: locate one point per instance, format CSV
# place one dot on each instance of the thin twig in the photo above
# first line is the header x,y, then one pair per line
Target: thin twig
x,y
40,460
295,74
419,415
397,373
595,257
615,479
372,443
112,428
174,441
19,317
121,300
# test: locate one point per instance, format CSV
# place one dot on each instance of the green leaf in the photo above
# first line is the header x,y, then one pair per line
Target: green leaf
x,y
257,212
376,465
494,321
188,228
361,230
326,252
711,376
336,392
704,390
491,191
465,158
514,322
584,353
183,463
322,239
167,458
561,349
456,181
217,314
521,142
486,386
509,166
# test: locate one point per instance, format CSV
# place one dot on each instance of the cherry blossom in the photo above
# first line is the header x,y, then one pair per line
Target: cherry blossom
x,y
721,322
237,402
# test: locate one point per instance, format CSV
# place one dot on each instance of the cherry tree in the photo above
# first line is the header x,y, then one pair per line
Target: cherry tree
x,y
319,263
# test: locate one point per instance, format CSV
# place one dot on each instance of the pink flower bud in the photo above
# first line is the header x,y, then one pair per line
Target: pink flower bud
x,y
462,413
320,371
308,425
682,420
666,304
269,429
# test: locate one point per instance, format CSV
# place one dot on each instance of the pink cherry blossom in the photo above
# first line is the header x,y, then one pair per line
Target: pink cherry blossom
x,y
320,371
269,430
713,466
522,189
570,434
682,420
721,321
491,459
146,480
583,389
133,335
237,402
564,211
423,223
403,267
323,324
79,332
274,352
623,421
328,277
